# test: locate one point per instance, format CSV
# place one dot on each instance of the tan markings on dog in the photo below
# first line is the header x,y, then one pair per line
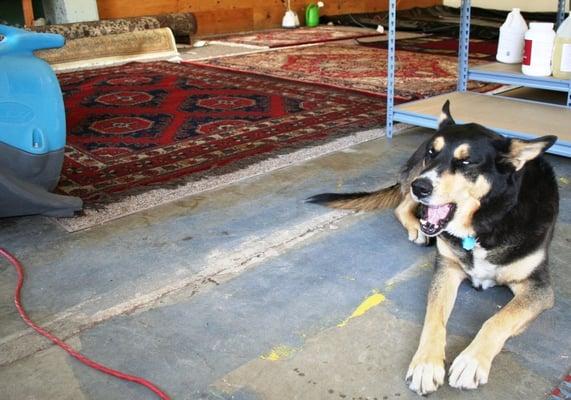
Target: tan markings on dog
x,y
438,143
456,188
521,269
462,152
529,301
429,358
406,214
446,250
521,152
442,117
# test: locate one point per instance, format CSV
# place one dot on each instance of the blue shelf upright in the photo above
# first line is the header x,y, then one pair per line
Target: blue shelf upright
x,y
425,112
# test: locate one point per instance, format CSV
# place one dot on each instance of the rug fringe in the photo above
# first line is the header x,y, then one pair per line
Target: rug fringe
x,y
156,197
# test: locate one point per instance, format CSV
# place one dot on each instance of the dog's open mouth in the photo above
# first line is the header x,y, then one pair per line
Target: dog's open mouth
x,y
433,219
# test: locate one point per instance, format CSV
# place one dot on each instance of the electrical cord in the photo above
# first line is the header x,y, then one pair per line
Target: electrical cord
x,y
70,350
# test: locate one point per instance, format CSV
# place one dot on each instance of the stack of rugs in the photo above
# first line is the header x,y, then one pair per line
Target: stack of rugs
x,y
107,42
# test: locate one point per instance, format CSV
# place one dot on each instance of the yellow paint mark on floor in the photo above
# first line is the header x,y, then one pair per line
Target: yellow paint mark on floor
x,y
372,301
278,353
563,180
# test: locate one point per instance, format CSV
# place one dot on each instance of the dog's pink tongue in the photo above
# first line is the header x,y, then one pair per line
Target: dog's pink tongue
x,y
437,213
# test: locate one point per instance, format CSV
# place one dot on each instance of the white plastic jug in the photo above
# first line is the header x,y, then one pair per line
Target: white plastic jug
x,y
538,49
510,44
562,51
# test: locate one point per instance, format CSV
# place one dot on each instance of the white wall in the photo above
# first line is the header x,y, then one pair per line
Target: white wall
x,y
526,5
65,11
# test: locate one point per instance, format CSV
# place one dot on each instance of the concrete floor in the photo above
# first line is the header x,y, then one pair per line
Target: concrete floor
x,y
246,293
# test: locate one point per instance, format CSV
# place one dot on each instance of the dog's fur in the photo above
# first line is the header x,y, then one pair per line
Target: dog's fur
x,y
503,193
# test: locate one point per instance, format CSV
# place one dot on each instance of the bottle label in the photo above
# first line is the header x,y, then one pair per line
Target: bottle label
x,y
527,52
566,58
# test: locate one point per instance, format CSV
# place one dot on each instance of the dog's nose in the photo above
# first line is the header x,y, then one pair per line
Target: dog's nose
x,y
421,187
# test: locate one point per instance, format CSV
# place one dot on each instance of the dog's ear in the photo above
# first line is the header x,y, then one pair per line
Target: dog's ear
x,y
445,118
521,151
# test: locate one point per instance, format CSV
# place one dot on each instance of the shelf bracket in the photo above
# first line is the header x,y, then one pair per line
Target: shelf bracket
x,y
391,68
464,46
560,13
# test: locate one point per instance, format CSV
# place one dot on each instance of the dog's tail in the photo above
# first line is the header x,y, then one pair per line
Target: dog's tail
x,y
388,197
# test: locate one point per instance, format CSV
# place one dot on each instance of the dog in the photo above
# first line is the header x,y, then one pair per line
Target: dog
x,y
491,202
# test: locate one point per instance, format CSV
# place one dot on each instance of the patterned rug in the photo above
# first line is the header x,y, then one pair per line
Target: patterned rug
x,y
563,391
293,37
355,67
141,126
90,52
444,45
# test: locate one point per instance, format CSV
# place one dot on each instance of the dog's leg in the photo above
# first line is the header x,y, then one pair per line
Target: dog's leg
x,y
472,366
426,371
406,214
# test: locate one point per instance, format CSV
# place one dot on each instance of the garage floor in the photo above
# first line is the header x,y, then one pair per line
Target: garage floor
x,y
246,292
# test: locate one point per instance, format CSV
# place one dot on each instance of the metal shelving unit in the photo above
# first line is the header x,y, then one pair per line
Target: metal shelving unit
x,y
520,117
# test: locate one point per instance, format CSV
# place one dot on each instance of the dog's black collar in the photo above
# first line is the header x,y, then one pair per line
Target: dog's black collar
x,y
468,243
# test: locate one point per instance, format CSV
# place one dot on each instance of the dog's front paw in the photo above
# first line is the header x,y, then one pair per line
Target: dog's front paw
x,y
469,370
425,374
417,237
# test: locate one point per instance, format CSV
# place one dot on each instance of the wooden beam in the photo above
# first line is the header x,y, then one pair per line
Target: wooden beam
x,y
225,16
28,12
224,21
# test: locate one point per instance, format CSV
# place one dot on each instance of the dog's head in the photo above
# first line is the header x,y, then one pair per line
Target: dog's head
x,y
464,164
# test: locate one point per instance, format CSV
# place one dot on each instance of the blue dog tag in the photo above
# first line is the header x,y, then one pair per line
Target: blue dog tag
x,y
469,242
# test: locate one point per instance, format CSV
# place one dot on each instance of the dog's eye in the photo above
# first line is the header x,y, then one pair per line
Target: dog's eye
x,y
431,152
464,162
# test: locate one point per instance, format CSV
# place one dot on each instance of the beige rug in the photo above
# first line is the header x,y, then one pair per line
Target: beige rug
x,y
91,52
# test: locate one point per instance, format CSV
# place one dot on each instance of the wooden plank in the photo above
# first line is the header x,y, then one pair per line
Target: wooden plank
x,y
28,10
262,15
224,21
119,8
496,112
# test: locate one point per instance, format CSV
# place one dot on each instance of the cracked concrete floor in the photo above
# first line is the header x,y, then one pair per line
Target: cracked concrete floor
x,y
246,292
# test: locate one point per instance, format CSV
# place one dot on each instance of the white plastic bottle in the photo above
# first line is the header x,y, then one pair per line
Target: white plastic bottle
x,y
538,49
562,51
510,43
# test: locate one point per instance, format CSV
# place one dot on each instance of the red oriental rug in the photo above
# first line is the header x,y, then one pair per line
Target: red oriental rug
x,y
294,37
142,126
443,45
563,391
355,67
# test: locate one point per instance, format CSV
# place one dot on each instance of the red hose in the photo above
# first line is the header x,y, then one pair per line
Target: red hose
x,y
80,357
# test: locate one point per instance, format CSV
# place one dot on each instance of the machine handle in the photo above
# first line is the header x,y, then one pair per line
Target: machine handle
x,y
18,41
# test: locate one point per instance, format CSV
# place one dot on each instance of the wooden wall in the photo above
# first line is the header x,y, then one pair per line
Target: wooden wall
x,y
222,16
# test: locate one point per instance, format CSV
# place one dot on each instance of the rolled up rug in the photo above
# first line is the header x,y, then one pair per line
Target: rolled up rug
x,y
90,52
182,25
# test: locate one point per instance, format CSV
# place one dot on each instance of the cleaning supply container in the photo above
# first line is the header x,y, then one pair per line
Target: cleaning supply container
x,y
32,127
562,51
510,43
538,49
312,14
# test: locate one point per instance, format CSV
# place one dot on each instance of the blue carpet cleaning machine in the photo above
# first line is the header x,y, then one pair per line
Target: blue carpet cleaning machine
x,y
32,128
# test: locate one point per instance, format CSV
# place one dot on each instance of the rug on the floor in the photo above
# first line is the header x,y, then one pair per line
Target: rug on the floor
x,y
355,67
299,36
480,49
160,125
563,391
151,44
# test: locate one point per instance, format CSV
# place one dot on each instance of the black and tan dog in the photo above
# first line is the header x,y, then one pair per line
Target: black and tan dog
x,y
492,203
